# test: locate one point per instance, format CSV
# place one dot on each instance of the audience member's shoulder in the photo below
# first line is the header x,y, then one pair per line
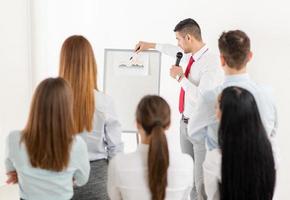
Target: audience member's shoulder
x,y
13,140
79,144
130,161
14,136
267,92
267,89
103,101
100,96
210,96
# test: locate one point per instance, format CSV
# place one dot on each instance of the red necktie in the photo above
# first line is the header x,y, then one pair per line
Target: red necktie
x,y
182,93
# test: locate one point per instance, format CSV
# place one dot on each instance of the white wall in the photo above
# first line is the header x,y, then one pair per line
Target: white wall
x,y
15,71
120,24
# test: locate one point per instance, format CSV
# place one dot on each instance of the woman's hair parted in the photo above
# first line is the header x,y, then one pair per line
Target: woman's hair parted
x,y
49,132
78,67
153,114
248,168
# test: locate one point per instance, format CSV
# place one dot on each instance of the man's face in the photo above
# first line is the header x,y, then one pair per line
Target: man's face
x,y
183,41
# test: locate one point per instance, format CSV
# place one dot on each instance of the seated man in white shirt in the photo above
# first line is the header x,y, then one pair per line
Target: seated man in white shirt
x,y
153,171
203,72
244,167
235,53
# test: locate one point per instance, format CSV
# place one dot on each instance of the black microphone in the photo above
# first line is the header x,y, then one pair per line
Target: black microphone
x,y
178,58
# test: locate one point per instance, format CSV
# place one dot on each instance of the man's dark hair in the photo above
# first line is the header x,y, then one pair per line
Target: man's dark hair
x,y
189,26
235,47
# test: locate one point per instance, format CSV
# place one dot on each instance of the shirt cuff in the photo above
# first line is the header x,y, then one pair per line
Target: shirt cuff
x,y
184,83
159,47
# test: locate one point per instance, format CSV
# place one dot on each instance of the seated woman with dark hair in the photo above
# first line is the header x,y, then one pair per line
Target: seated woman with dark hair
x,y
243,168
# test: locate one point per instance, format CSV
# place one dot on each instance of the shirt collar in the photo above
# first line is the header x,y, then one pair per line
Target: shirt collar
x,y
237,77
200,52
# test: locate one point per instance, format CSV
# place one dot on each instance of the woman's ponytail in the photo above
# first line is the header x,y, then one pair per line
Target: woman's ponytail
x,y
158,162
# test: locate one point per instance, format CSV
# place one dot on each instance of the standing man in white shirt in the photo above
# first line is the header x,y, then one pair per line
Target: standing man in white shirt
x,y
201,74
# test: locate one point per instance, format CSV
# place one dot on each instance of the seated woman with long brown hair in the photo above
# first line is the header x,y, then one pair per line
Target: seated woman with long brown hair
x,y
47,156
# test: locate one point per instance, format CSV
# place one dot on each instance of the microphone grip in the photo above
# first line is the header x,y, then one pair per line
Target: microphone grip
x,y
177,61
178,58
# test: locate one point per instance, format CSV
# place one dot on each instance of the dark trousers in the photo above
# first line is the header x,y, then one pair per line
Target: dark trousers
x,y
96,187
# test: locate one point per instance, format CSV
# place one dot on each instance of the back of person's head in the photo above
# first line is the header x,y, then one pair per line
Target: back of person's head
x,y
50,129
79,68
153,114
235,47
189,26
248,169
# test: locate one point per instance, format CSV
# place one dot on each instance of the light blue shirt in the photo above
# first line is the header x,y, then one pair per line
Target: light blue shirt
x,y
40,184
104,142
204,125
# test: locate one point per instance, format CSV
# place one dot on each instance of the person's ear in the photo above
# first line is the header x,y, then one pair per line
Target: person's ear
x,y
250,56
219,114
188,37
138,126
222,59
